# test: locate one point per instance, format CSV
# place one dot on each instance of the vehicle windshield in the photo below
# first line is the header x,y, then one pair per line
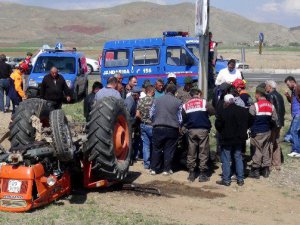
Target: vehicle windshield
x,y
194,49
63,64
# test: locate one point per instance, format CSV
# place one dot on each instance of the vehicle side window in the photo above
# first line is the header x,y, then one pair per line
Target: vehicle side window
x,y
176,56
146,56
116,58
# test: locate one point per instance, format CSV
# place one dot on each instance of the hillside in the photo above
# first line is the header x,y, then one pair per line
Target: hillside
x,y
27,24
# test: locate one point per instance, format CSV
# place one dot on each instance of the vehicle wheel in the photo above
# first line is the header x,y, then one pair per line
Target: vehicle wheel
x,y
61,134
109,139
21,130
89,69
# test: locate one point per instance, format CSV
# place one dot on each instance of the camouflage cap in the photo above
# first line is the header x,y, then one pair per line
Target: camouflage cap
x,y
260,90
146,83
188,80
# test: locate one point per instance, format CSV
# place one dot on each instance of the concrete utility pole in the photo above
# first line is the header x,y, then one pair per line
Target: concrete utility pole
x,y
201,30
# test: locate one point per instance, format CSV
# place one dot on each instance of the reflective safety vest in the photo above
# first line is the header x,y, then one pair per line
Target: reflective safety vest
x,y
263,117
196,114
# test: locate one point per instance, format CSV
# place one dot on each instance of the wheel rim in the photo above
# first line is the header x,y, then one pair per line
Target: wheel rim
x,y
89,69
121,138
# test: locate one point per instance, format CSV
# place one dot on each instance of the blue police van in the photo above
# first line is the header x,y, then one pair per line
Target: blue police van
x,y
70,64
153,58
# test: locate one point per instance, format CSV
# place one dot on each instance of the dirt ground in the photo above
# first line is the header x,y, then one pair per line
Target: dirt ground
x,y
275,200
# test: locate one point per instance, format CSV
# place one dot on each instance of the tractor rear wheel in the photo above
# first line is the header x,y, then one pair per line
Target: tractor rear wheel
x,y
109,139
61,136
21,130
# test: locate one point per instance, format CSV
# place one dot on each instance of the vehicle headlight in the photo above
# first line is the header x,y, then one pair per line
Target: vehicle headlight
x,y
96,63
69,83
32,83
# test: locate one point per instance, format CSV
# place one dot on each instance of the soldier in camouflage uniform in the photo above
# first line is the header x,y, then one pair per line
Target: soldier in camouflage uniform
x,y
183,93
143,112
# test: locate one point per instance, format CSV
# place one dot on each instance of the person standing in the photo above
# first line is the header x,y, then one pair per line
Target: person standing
x,y
183,93
232,124
132,82
5,71
265,118
109,90
159,88
28,62
131,105
54,88
15,91
166,120
228,74
143,113
121,87
294,99
90,99
195,115
240,86
212,59
277,101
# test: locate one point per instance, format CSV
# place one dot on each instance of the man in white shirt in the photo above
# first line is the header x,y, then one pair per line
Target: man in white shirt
x,y
228,74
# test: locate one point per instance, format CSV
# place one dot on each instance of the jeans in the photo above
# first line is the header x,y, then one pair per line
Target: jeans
x,y
146,134
4,88
164,145
226,151
295,132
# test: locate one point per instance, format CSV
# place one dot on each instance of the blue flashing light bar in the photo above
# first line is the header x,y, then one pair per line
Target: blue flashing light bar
x,y
175,34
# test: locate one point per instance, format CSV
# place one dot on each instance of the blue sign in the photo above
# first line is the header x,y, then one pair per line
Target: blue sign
x,y
261,37
59,46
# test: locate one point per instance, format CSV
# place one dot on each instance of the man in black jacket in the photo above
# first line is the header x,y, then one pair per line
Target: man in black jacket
x,y
90,99
54,88
5,71
277,100
232,123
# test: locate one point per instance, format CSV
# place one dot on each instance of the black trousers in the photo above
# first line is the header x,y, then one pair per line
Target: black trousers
x,y
164,143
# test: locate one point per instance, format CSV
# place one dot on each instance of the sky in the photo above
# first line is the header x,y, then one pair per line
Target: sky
x,y
284,12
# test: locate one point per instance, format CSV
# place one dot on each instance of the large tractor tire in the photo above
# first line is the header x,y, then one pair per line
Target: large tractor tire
x,y
21,130
61,136
109,139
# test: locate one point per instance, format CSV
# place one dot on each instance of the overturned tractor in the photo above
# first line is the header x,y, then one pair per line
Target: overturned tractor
x,y
47,155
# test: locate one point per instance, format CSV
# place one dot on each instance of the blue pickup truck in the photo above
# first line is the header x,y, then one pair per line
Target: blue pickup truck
x,y
70,64
153,58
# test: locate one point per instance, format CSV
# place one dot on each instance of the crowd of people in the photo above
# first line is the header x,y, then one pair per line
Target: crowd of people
x,y
168,120
164,115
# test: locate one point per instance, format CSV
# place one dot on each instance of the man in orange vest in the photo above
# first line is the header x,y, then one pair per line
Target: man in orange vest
x,y
15,91
265,117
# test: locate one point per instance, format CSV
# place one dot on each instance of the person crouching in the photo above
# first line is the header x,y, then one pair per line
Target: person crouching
x,y
195,115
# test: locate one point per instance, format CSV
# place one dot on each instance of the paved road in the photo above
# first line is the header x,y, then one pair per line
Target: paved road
x,y
250,77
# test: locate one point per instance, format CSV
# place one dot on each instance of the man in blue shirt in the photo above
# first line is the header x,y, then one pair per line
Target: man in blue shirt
x,y
109,90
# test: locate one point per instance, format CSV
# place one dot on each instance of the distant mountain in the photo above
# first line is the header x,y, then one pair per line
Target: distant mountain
x,y
35,25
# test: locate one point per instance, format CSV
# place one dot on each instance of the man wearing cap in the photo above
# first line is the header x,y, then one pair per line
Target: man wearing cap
x,y
265,117
277,100
171,80
183,93
195,115
166,119
5,71
232,123
228,74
